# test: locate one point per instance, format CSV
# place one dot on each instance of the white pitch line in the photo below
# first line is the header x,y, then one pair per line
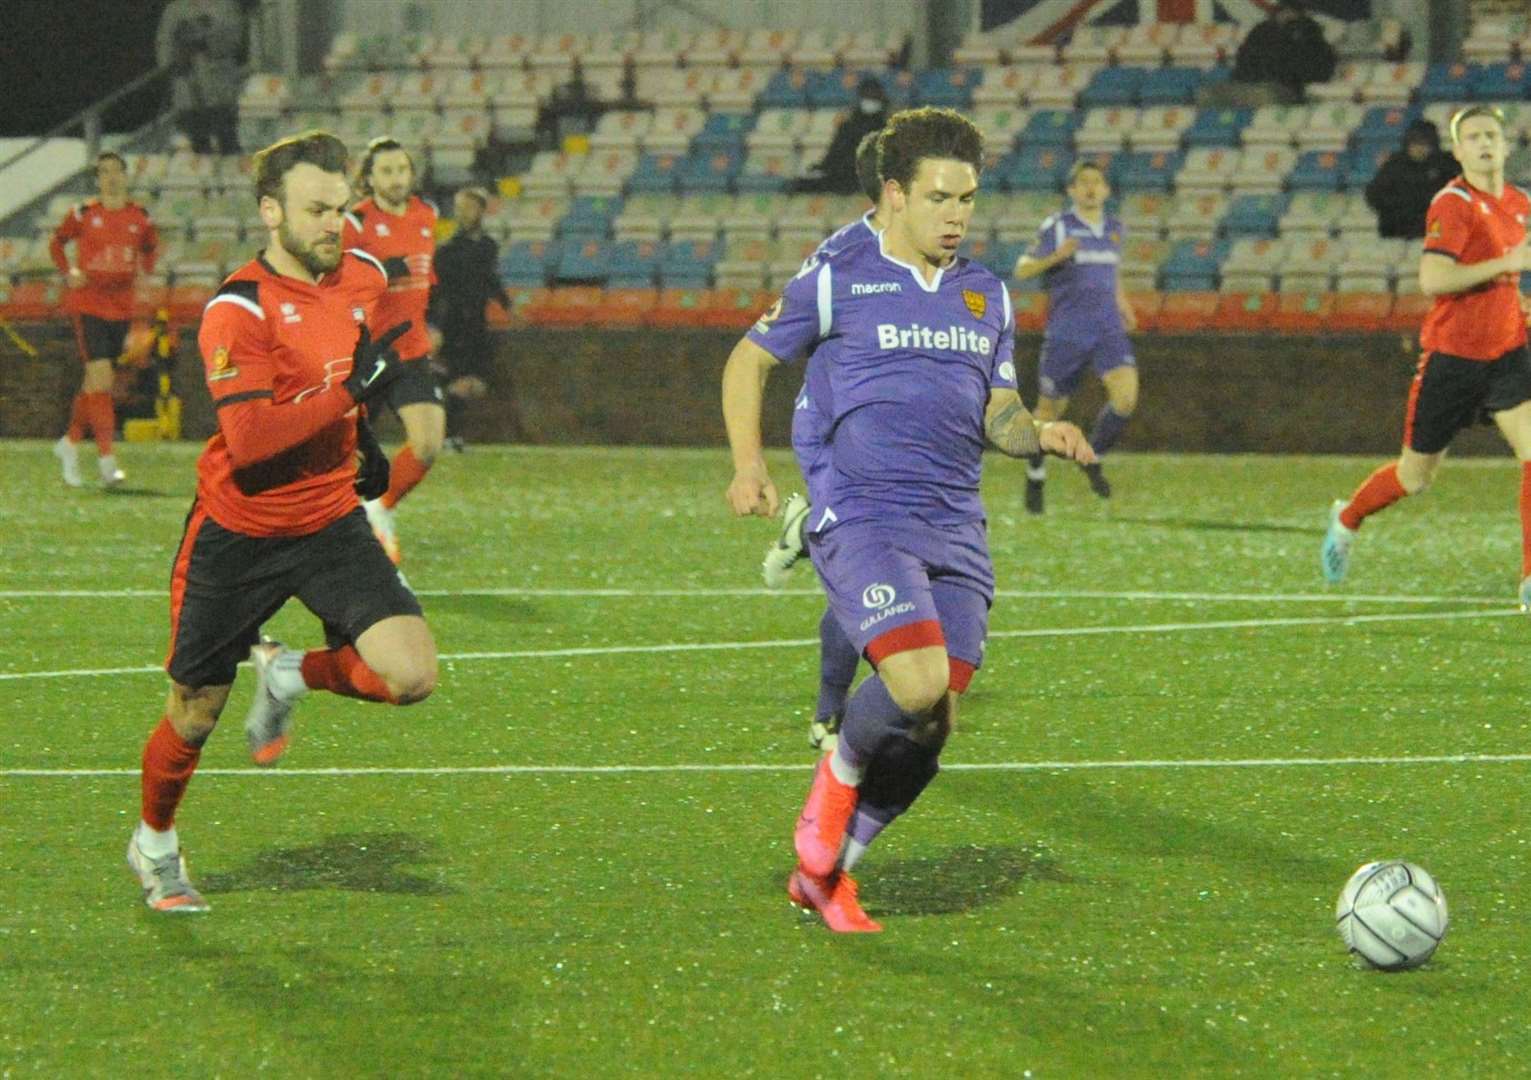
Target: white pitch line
x,y
787,643
638,594
726,767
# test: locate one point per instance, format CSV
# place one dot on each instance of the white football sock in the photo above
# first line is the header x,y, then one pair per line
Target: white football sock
x,y
156,844
843,770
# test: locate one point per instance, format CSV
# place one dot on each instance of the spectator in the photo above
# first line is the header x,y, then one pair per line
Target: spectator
x,y
1401,191
203,43
836,173
1285,53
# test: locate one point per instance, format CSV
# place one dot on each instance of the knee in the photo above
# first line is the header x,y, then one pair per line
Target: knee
x,y
918,690
411,683
194,713
1414,477
1124,404
425,448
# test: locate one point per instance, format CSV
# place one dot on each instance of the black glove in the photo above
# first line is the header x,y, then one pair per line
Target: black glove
x,y
374,364
372,470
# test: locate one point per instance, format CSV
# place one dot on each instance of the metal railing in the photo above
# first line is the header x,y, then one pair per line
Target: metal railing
x,y
88,123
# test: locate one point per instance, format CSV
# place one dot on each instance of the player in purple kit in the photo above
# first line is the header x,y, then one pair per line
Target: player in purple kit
x,y
838,658
913,362
1079,250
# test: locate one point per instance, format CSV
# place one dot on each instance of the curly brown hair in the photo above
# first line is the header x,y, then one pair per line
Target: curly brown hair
x,y
912,135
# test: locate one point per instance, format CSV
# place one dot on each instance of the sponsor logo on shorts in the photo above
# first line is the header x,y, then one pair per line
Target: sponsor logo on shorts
x,y
879,595
872,288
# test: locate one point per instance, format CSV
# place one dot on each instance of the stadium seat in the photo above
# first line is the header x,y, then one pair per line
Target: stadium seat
x,y
1187,311
1360,312
1362,165
1450,83
1058,86
554,54
1408,312
1498,81
590,216
655,173
1205,44
1144,212
768,170
1001,126
1318,170
1141,259
1329,126
1030,310
673,129
1192,266
1493,39
1113,86
1381,128
506,52
1093,44
571,306
1005,87
787,89
1311,214
1162,127
1310,265
700,215
1263,168
737,309
743,263
525,263
950,88
680,307
688,263
621,129
634,263
1392,84
1244,311
581,259
1148,44
1033,168
625,306
605,173
1146,170
1302,312
1275,125
1217,127
1345,86
1195,215
755,213
1207,168
736,89
1146,304
1254,215
1251,265
1105,129
1050,127
708,171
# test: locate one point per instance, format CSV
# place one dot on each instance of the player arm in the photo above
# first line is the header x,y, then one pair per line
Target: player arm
x,y
149,246
1012,430
68,229
744,380
1124,305
1440,274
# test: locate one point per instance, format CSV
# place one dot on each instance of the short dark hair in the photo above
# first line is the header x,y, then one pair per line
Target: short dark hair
x,y
380,145
271,165
868,173
111,155
1080,166
912,135
1461,116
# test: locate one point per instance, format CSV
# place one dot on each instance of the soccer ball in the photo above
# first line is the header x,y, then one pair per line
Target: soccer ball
x,y
1392,914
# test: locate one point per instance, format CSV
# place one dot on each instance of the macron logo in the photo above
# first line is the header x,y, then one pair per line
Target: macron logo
x,y
859,289
915,336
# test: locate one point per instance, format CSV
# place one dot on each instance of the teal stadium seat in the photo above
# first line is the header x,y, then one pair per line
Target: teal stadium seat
x,y
634,264
1170,86
1218,127
1319,170
1450,83
582,260
1113,86
1256,215
655,173
687,264
1193,266
524,264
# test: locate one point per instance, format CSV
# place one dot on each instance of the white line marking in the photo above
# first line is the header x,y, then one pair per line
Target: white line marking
x,y
724,767
1022,594
788,643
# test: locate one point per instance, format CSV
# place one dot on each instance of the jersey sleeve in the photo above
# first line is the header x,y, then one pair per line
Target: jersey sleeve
x,y
1047,238
350,231
800,319
68,229
1448,224
1002,371
236,359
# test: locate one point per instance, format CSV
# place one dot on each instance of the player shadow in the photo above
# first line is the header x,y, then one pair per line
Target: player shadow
x,y
350,862
123,492
1207,525
961,879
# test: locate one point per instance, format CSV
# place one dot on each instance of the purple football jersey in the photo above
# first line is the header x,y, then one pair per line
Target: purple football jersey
x,y
906,367
1081,292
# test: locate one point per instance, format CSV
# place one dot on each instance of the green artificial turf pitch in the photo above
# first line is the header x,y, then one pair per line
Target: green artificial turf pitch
x,y
1128,867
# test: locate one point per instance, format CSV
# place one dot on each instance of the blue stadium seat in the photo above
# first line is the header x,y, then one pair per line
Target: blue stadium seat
x,y
724,131
950,88
655,172
1000,256
787,89
898,82
1170,86
831,89
1113,86
1319,170
1363,164
1146,170
1498,82
708,171
1036,168
582,260
1217,127
525,263
634,263
1383,126
1193,266
1254,215
687,264
1050,127
590,215
1450,83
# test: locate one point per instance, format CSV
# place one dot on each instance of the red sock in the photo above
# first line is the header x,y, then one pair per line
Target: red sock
x,y
343,671
1380,491
169,761
405,472
102,418
78,420
1525,519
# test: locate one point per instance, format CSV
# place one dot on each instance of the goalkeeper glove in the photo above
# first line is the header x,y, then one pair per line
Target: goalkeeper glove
x,y
372,469
374,364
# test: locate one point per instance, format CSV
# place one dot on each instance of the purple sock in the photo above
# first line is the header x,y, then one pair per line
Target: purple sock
x,y
837,667
894,779
871,719
1109,425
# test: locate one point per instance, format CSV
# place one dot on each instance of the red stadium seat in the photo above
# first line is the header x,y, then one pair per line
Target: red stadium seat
x,y
737,309
188,299
681,307
1361,312
1184,311
1146,305
31,300
1409,311
1030,311
1303,312
626,307
1245,312
574,305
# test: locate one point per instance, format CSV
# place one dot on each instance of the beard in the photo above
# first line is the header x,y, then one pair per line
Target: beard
x,y
308,254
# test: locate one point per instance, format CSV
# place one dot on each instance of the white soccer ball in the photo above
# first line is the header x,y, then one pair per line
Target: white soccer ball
x,y
1392,914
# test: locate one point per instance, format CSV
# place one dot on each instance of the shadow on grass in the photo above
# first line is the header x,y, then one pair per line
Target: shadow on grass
x,y
1210,525
352,862
960,879
489,609
122,492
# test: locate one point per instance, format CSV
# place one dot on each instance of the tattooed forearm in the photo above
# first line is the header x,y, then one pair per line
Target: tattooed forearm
x,y
1013,431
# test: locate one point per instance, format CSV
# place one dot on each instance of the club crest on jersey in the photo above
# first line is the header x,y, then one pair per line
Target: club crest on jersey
x,y
977,302
382,228
221,369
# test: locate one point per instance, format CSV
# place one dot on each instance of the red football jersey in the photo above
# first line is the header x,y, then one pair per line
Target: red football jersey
x,y
1472,226
406,245
111,246
278,343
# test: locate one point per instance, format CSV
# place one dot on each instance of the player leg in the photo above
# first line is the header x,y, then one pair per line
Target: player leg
x,y
838,660
105,339
1119,375
1446,395
1509,403
1058,374
420,403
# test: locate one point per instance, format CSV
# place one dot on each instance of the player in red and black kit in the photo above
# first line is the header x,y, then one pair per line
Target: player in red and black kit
x,y
1474,365
113,240
399,228
290,362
